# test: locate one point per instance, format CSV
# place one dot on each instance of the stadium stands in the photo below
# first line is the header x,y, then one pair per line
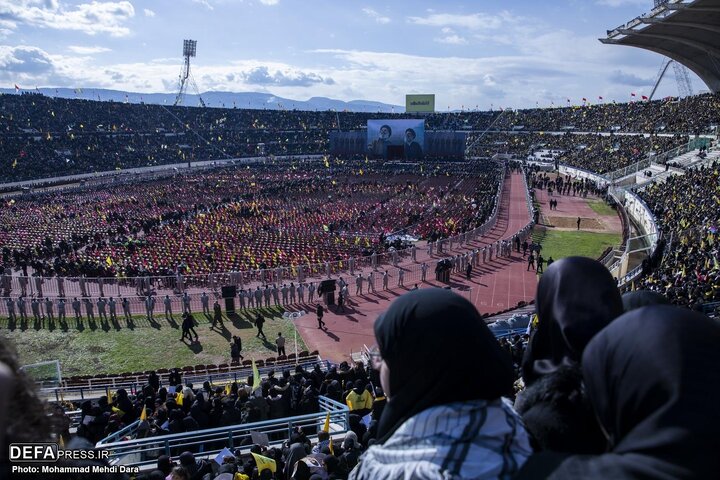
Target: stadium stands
x,y
103,231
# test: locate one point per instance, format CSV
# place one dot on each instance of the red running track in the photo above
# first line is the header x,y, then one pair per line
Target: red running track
x,y
496,285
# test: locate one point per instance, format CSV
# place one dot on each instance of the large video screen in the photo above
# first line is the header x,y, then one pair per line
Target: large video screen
x,y
396,139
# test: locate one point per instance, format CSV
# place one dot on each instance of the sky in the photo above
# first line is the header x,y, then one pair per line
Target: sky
x,y
471,54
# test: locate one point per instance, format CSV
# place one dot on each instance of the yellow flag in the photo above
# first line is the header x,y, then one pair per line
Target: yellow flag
x,y
179,398
256,376
228,389
143,414
109,261
326,427
263,462
14,163
330,445
118,411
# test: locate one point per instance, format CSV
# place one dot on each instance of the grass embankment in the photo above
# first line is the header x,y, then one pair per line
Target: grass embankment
x,y
562,243
118,347
601,208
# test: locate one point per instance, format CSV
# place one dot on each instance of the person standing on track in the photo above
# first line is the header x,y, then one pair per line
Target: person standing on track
x,y
320,312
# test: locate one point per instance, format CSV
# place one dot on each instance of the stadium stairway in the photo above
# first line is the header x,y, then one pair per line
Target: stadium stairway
x,y
692,159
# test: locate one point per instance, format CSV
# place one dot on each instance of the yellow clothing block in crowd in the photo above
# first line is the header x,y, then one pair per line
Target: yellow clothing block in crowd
x,y
359,402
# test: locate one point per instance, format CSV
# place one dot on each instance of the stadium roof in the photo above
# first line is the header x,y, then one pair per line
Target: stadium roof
x,y
686,31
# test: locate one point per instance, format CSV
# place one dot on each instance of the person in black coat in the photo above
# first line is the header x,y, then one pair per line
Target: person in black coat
x,y
320,311
259,322
188,328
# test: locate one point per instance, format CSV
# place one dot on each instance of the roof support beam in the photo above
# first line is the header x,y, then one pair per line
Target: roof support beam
x,y
709,49
672,23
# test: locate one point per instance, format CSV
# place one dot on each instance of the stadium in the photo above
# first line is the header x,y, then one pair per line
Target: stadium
x,y
212,292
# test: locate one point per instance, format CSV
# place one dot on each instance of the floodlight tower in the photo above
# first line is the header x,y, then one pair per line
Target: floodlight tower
x,y
189,50
682,77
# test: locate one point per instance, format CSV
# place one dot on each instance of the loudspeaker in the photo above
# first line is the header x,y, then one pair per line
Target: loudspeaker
x,y
229,304
229,291
327,286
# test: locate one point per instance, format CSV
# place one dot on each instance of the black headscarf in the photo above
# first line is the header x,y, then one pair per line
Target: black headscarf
x,y
653,377
438,350
643,298
576,298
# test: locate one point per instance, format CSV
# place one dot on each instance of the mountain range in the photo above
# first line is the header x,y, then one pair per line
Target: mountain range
x,y
251,100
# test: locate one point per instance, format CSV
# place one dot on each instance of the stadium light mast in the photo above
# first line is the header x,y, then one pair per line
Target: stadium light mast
x,y
682,77
189,50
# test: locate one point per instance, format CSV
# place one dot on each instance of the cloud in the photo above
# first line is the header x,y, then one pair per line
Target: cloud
x,y
204,3
148,12
23,60
623,3
90,18
376,16
290,78
624,78
269,2
517,79
477,21
452,40
87,50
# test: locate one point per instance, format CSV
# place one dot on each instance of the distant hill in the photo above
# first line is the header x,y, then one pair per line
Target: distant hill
x,y
250,100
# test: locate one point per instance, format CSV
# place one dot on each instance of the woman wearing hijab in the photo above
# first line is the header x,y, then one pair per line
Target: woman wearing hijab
x,y
296,452
351,450
442,422
652,378
576,298
643,298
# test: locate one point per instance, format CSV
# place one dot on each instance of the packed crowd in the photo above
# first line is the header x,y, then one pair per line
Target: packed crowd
x,y
599,153
583,399
687,209
50,137
236,219
697,114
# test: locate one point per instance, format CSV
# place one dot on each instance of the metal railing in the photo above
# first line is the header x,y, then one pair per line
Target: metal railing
x,y
208,443
98,386
661,158
693,144
629,170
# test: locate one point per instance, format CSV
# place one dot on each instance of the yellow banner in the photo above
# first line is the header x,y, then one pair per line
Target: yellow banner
x,y
420,103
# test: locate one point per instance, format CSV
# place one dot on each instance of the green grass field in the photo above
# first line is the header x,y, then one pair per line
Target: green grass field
x,y
601,208
559,244
108,348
